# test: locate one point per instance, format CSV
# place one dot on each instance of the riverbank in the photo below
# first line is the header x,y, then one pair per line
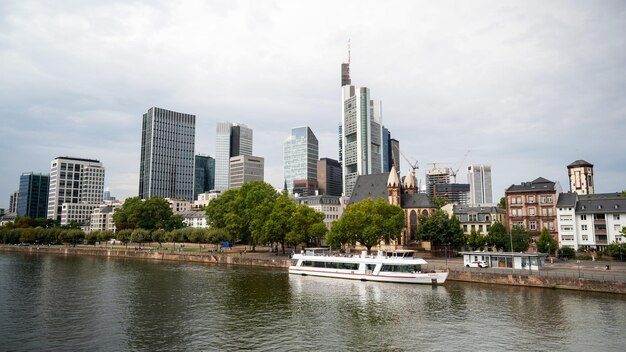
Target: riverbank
x,y
564,278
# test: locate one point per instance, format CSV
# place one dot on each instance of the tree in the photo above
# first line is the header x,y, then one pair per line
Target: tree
x,y
123,236
521,239
566,252
497,236
159,236
546,243
150,214
475,240
439,228
278,224
305,223
440,202
365,222
140,236
502,204
125,217
243,211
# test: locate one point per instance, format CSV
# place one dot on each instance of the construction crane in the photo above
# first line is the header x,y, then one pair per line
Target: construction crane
x,y
453,172
413,166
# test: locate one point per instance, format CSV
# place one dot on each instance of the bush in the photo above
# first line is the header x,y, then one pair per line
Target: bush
x,y
566,252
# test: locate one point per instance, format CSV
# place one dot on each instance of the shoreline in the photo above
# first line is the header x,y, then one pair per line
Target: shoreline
x,y
543,279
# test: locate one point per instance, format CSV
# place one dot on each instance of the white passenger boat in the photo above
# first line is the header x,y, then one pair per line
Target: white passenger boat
x,y
388,266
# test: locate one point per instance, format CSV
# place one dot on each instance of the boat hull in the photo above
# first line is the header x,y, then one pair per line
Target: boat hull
x,y
436,278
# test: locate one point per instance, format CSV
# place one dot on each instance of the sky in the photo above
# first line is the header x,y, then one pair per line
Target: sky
x,y
527,87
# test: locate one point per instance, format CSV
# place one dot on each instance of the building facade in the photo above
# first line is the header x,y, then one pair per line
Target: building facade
x,y
13,198
580,175
245,168
301,151
204,175
479,179
361,135
478,218
455,193
33,195
231,139
329,178
591,221
76,187
532,205
329,205
167,154
102,216
436,176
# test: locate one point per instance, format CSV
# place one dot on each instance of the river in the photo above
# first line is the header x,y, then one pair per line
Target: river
x,y
80,303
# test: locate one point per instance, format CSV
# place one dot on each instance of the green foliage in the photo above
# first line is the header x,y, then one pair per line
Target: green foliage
x,y
475,240
498,237
439,228
502,204
242,212
123,235
140,236
159,236
617,250
150,214
566,252
546,243
440,202
521,239
278,224
305,224
368,223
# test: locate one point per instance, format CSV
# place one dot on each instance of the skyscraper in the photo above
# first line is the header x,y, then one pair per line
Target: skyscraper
x,y
245,168
479,178
204,179
301,152
434,177
329,177
167,154
33,196
76,187
231,140
361,133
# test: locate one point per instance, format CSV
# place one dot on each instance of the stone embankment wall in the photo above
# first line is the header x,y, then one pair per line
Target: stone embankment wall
x,y
536,281
203,257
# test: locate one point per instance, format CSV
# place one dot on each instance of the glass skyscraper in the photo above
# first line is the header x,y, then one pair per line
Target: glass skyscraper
x,y
361,134
231,139
33,195
167,154
479,178
204,180
301,151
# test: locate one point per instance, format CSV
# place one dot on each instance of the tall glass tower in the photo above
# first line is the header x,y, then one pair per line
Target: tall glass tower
x,y
33,195
301,151
479,178
167,154
361,134
231,139
204,179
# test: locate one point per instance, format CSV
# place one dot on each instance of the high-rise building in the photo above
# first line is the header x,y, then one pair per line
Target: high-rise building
x,y
434,177
455,193
361,133
580,175
33,196
329,178
76,187
301,152
479,179
167,154
245,168
13,198
204,179
231,140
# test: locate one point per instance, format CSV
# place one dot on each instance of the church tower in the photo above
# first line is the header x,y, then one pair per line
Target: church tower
x,y
410,185
580,175
393,187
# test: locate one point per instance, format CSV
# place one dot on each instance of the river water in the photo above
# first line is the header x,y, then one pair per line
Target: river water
x,y
57,303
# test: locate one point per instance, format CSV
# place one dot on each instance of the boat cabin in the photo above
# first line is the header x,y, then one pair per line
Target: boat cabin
x,y
503,260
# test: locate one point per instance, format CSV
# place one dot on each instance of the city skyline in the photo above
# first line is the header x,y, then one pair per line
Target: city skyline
x,y
528,87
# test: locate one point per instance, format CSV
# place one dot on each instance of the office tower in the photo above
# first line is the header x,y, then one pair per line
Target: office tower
x,y
301,152
455,193
204,179
434,177
329,178
361,134
33,196
580,175
479,179
13,198
107,195
76,187
231,140
167,154
245,168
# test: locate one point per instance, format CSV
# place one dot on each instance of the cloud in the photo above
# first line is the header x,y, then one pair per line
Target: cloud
x,y
528,87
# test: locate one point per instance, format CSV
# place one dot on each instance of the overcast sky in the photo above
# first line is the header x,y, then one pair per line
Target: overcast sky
x,y
528,87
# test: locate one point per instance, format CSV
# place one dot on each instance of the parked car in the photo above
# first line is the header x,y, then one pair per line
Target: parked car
x,y
477,264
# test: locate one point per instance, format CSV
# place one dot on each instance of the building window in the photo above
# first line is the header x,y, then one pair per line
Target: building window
x,y
616,217
531,199
583,227
583,217
531,211
533,225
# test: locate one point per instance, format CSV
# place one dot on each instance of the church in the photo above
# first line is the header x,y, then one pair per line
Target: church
x,y
403,194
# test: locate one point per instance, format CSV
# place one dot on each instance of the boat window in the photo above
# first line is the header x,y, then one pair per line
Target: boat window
x,y
307,263
401,268
371,267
